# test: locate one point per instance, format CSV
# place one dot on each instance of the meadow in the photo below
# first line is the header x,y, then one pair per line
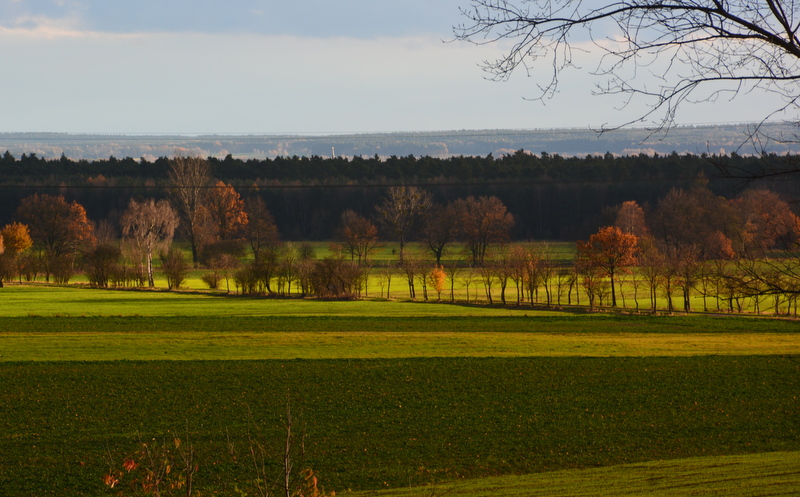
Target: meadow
x,y
396,394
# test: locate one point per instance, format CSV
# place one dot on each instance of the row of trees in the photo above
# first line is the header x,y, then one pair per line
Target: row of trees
x,y
696,242
749,240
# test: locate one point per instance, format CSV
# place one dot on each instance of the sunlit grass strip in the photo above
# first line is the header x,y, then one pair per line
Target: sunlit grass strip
x,y
43,300
775,473
234,345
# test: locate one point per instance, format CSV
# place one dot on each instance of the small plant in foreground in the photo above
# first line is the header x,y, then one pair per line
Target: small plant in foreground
x,y
162,469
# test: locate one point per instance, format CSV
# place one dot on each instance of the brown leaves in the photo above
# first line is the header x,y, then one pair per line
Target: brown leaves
x,y
226,213
59,226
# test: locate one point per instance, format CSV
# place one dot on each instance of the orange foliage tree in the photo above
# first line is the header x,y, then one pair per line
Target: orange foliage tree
x,y
59,227
768,220
610,249
15,238
630,219
226,212
438,278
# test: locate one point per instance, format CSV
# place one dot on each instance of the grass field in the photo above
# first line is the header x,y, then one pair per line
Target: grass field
x,y
46,300
381,423
752,475
394,394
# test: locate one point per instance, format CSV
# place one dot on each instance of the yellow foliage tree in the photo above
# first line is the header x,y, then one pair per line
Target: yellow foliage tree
x,y
438,277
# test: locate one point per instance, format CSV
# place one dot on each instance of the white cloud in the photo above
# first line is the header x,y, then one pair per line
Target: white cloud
x,y
65,78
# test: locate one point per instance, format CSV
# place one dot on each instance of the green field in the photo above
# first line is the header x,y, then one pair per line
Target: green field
x,y
46,300
394,394
771,474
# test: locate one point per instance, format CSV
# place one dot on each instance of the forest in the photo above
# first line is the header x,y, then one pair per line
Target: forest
x,y
552,197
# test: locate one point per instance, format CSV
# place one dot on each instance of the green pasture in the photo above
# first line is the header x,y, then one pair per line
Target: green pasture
x,y
773,474
47,323
48,300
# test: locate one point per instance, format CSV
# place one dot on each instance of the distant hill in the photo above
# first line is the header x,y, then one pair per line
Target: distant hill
x,y
567,142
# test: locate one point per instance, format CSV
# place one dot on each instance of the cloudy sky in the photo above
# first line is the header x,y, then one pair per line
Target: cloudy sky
x,y
270,66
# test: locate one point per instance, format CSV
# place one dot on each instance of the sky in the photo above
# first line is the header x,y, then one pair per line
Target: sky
x,y
269,66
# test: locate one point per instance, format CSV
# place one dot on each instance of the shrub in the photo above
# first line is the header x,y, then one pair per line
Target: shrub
x,y
211,279
99,264
174,267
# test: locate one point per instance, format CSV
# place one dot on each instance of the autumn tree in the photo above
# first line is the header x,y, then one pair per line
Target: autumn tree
x,y
400,212
226,213
359,235
58,227
609,250
631,219
683,218
261,230
189,177
16,239
482,221
768,221
151,226
768,224
437,278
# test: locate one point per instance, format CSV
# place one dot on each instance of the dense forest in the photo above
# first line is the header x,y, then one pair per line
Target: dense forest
x,y
552,197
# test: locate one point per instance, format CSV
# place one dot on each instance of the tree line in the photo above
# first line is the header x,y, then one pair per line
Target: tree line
x,y
552,197
692,242
317,169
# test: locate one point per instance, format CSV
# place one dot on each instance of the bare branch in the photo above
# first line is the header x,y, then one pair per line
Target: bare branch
x,y
669,52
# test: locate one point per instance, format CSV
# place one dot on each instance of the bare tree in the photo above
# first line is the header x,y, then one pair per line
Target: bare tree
x,y
668,52
189,177
482,222
359,235
401,210
439,228
261,230
151,225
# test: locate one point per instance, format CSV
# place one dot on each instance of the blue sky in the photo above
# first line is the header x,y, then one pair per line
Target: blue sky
x,y
256,66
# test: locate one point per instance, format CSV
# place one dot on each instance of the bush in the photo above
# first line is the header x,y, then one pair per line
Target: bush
x,y
247,278
62,268
211,279
334,278
99,264
174,267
